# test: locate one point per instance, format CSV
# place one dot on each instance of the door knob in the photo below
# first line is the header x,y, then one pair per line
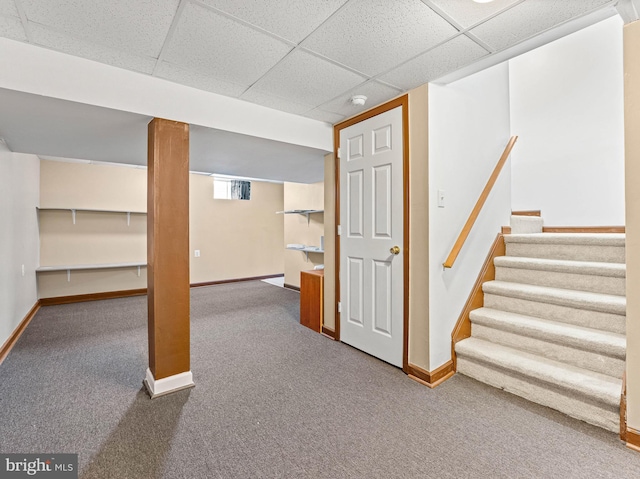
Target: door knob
x,y
394,250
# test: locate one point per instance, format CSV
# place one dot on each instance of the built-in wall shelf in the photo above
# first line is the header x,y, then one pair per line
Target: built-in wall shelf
x,y
306,249
83,267
73,212
299,212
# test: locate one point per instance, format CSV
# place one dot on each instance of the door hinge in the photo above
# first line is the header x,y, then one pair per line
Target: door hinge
x,y
338,151
339,230
339,307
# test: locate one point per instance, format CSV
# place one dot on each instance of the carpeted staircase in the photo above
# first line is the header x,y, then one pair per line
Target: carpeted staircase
x,y
552,328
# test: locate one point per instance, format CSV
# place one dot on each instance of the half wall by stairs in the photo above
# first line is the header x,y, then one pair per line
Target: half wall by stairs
x,y
552,328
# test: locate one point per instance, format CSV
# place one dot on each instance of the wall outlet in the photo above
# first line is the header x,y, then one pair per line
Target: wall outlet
x,y
22,270
196,253
440,198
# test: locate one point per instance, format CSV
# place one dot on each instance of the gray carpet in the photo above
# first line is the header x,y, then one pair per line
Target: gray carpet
x,y
272,399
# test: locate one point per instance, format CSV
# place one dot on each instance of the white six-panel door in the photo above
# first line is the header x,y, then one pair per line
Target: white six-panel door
x,y
371,218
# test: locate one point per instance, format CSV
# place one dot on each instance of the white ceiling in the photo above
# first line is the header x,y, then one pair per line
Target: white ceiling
x,y
304,57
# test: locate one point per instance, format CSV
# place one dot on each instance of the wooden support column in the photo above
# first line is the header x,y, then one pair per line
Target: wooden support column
x,y
168,257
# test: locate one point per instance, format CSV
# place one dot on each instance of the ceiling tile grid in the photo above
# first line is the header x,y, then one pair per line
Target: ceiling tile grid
x,y
289,19
212,44
131,26
308,79
435,63
62,42
11,27
530,18
303,57
467,13
372,36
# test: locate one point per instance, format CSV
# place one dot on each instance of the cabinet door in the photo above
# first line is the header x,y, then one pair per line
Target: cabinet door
x,y
311,299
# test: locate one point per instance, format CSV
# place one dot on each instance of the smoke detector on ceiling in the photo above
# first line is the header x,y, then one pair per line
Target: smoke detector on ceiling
x,y
358,100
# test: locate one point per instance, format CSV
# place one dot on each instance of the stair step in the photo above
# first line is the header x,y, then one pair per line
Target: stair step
x,y
577,382
591,349
583,239
600,247
601,342
614,323
605,417
597,277
589,301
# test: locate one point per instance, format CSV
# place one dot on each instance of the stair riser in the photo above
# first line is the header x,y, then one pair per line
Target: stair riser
x,y
604,254
526,224
593,361
566,402
578,282
614,323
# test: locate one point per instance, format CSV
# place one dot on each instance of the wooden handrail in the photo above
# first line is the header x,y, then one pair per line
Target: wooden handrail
x,y
466,229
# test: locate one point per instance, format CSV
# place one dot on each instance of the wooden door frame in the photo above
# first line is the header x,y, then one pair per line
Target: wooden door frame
x,y
403,102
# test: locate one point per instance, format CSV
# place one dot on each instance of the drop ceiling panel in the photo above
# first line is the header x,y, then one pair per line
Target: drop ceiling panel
x,y
11,27
467,13
375,92
8,8
435,63
325,116
198,80
307,79
530,18
373,36
135,26
212,44
277,103
290,19
91,51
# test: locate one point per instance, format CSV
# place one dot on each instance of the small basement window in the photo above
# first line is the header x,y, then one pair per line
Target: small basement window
x,y
225,189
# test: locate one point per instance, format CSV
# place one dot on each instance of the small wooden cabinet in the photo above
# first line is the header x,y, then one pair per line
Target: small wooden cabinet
x,y
312,299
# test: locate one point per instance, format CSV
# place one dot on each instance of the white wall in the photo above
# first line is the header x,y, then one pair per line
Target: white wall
x,y
19,196
567,109
468,130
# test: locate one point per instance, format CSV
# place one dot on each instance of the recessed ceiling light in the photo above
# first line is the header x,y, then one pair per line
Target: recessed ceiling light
x,y
483,1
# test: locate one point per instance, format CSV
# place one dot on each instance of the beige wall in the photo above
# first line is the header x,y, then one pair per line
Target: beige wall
x,y
236,239
81,185
329,242
297,230
632,175
419,227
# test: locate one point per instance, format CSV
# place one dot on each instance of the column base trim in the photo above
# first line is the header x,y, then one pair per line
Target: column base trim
x,y
161,387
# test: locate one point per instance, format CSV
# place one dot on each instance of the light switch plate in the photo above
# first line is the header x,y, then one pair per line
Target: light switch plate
x,y
440,198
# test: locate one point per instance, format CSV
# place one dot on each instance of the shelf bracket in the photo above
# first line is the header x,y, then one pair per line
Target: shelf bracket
x,y
69,275
73,216
138,271
129,221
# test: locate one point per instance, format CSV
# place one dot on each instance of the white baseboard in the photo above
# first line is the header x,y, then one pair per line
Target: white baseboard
x,y
160,387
